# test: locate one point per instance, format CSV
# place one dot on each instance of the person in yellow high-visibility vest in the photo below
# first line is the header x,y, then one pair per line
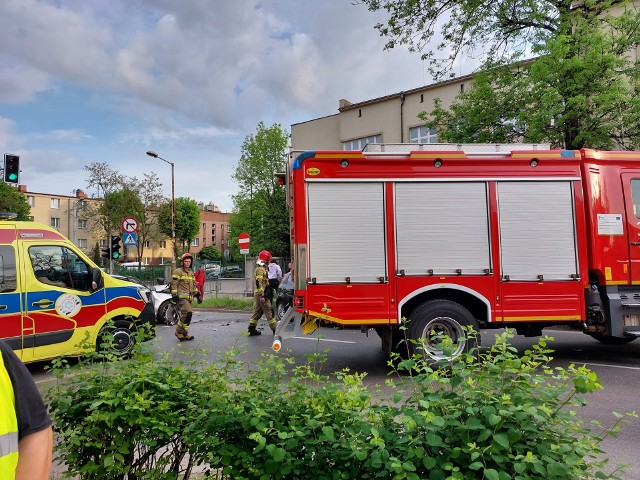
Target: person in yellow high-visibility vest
x,y
26,435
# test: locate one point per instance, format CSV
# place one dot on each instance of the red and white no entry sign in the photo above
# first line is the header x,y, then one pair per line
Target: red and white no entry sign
x,y
244,240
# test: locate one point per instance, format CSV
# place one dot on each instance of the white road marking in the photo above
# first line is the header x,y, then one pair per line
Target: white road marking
x,y
316,339
610,366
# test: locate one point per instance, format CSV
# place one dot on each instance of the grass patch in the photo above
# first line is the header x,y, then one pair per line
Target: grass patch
x,y
226,302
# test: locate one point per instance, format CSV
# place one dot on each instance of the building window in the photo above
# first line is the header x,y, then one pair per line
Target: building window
x,y
147,244
423,135
103,243
163,244
55,203
195,242
213,228
31,200
229,228
55,222
204,226
360,143
213,239
82,224
82,242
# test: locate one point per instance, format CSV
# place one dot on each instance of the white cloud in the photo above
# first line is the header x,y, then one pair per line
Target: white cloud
x,y
188,78
7,135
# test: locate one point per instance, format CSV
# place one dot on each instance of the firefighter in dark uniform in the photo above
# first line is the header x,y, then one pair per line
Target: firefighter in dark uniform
x,y
261,302
183,290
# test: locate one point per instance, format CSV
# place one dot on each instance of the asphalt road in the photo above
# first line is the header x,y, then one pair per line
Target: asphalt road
x,y
618,367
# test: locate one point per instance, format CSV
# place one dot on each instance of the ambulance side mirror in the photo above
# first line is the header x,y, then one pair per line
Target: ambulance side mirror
x,y
96,279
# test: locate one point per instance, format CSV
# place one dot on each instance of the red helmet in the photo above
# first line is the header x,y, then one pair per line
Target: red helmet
x,y
185,256
265,256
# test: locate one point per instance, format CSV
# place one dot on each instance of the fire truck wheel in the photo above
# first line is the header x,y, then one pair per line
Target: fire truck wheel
x,y
612,340
117,338
437,318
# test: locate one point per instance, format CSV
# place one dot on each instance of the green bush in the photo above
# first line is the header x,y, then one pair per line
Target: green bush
x,y
125,419
494,415
491,414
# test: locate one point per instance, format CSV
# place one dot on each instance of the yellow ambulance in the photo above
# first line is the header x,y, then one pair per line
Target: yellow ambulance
x,y
54,301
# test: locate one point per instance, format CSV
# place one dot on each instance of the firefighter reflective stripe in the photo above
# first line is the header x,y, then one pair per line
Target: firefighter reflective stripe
x,y
8,426
183,283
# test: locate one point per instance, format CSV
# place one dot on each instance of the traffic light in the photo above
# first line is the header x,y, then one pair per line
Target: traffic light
x,y
106,252
115,247
11,168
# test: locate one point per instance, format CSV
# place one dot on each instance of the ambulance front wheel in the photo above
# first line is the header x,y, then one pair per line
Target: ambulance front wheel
x,y
117,338
433,320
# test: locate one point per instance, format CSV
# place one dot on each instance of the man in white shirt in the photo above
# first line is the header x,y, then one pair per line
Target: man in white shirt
x,y
274,275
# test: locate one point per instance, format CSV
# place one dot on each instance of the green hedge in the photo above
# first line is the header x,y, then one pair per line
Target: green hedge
x,y
490,415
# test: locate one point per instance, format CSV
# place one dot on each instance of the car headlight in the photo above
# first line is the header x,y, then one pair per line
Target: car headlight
x,y
145,294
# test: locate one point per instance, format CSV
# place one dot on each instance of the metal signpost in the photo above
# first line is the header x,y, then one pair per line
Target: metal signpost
x,y
129,235
243,242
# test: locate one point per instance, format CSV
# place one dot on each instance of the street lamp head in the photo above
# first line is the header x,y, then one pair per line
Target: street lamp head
x,y
152,154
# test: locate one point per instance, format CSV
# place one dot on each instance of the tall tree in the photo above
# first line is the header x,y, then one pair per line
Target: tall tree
x,y
11,200
104,180
149,191
187,222
260,207
580,89
144,198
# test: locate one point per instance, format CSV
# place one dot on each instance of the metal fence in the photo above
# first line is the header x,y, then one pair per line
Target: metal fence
x,y
216,276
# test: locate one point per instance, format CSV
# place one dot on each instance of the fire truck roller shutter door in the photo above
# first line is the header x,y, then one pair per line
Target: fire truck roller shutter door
x,y
443,227
351,244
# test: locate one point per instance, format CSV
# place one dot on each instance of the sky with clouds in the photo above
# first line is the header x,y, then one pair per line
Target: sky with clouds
x,y
85,81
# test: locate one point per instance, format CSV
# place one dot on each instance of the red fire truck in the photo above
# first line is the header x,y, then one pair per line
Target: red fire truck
x,y
442,237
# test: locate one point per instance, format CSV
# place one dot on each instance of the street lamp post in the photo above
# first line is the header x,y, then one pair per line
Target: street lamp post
x,y
173,208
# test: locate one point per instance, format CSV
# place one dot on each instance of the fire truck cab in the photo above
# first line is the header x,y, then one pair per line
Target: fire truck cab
x,y
442,237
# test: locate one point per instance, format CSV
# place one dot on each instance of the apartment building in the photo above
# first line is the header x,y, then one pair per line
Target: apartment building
x,y
214,229
389,119
64,212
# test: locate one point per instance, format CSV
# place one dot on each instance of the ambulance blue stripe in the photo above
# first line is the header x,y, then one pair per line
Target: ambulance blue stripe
x,y
96,298
115,292
12,302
